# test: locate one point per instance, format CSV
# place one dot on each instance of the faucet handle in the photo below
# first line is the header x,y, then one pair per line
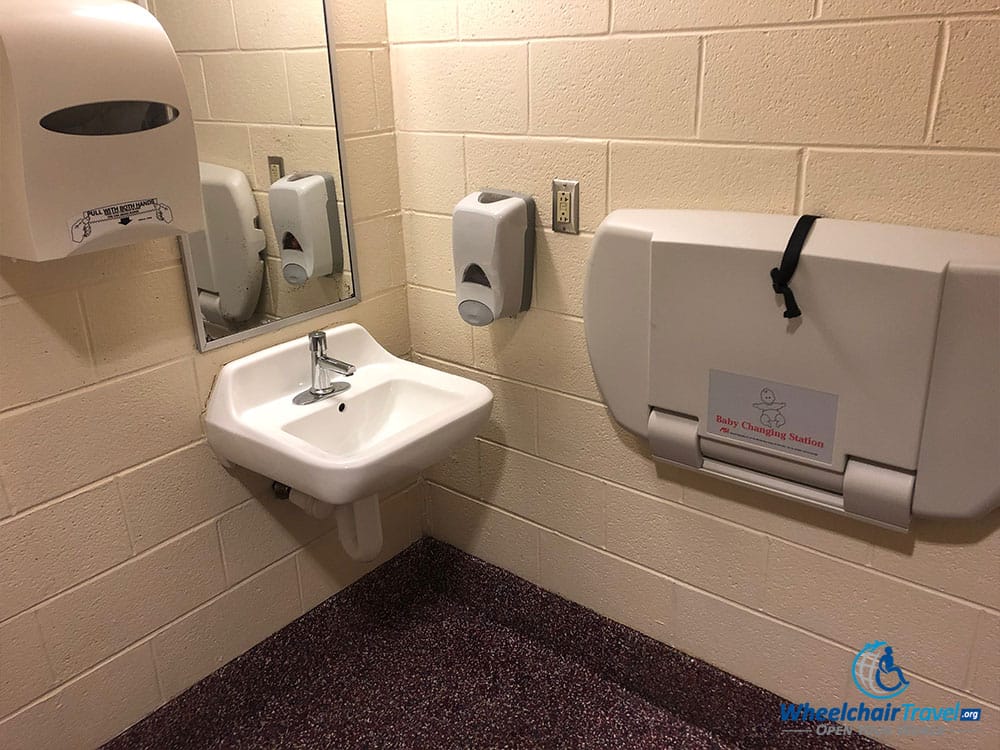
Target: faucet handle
x,y
317,341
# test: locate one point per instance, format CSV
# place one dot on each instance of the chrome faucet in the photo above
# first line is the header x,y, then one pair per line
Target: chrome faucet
x,y
324,368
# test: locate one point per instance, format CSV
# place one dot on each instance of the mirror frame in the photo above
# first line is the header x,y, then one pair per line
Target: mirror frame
x,y
204,345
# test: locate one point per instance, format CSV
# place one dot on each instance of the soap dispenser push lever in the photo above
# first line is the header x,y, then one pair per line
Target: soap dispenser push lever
x,y
323,368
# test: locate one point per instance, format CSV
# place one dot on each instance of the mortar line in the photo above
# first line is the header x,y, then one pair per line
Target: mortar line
x,y
699,97
820,23
898,148
800,181
937,80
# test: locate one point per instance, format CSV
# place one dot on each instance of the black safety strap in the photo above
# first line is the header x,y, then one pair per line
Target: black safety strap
x,y
782,276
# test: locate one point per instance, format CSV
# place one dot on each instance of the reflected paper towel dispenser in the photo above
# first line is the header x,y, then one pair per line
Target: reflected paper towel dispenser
x,y
228,256
493,242
98,147
882,401
306,223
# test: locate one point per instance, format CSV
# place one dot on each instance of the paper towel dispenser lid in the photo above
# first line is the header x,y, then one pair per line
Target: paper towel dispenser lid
x,y
864,377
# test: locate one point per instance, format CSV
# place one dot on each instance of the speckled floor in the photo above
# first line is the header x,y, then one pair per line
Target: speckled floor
x,y
437,649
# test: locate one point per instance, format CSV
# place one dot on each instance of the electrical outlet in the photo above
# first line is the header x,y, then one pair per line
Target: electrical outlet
x,y
275,168
566,206
563,201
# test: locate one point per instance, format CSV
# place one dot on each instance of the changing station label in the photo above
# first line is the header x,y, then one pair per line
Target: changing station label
x,y
767,414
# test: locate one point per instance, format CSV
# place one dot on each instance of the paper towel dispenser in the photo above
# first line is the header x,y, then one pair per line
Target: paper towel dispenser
x,y
881,401
228,256
98,147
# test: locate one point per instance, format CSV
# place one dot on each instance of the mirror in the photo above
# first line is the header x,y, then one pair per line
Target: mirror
x,y
278,246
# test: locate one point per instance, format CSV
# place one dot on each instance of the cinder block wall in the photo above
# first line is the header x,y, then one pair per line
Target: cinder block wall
x,y
885,110
131,563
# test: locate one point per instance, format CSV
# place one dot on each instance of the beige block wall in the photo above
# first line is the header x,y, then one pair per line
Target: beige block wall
x,y
132,563
885,111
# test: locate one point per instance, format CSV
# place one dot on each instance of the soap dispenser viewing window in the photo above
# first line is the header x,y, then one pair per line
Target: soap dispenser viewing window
x,y
475,275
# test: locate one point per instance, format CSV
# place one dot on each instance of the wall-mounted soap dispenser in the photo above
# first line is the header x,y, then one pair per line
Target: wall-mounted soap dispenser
x,y
493,241
307,225
228,257
98,146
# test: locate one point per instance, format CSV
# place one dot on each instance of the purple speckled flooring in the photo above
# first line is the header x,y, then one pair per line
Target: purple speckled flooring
x,y
437,649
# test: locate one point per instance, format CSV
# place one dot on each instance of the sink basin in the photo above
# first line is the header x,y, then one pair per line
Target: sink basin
x,y
397,419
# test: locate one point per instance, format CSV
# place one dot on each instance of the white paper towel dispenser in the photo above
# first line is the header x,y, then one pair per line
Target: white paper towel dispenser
x,y
228,256
98,147
493,242
882,401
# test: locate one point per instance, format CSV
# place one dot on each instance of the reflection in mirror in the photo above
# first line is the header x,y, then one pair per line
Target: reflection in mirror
x,y
277,245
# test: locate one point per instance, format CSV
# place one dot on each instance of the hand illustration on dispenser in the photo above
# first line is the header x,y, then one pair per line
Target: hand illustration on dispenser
x,y
770,409
80,230
164,214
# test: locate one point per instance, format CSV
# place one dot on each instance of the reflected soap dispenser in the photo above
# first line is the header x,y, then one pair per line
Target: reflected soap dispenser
x,y
493,242
307,225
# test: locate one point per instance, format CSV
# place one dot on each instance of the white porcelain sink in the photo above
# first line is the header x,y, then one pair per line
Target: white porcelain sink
x,y
397,419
